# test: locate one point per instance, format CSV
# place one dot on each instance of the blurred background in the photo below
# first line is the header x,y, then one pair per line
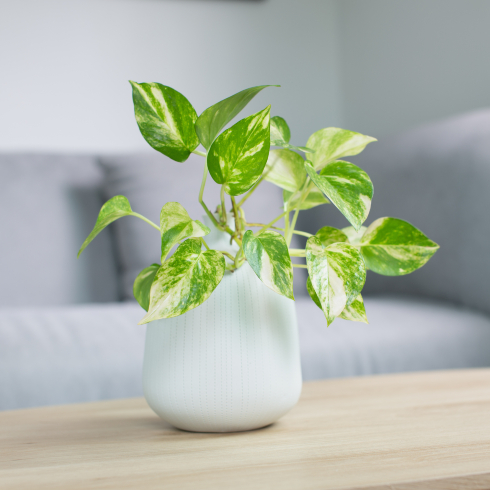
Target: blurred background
x,y
377,66
415,74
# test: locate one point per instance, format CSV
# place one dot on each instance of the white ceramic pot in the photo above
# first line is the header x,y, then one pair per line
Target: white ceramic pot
x,y
231,364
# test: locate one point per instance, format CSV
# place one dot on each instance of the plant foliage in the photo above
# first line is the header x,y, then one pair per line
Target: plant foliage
x,y
239,159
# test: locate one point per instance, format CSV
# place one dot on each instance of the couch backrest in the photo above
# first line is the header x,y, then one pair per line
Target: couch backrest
x,y
438,178
49,203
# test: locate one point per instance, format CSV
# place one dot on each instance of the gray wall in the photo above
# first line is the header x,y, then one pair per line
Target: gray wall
x,y
65,64
404,62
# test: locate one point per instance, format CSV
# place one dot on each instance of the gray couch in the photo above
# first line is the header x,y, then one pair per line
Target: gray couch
x,y
68,328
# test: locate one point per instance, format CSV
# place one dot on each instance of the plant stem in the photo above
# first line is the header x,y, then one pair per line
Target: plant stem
x,y
297,252
147,220
201,192
224,218
301,266
200,153
259,225
236,213
250,192
298,207
264,228
228,255
204,243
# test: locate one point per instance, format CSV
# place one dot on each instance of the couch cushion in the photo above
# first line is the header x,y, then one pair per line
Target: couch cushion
x,y
70,354
403,335
149,180
49,205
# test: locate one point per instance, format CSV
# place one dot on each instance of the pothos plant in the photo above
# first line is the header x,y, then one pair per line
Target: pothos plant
x,y
240,159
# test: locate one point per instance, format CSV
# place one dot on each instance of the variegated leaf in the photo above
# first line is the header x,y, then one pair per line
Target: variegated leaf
x,y
176,225
280,130
328,235
142,285
312,293
113,209
216,117
185,281
269,258
348,187
393,247
314,198
353,235
286,169
287,146
238,156
337,273
166,119
334,143
355,312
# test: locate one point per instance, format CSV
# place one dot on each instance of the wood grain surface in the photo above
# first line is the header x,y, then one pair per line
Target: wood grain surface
x,y
406,431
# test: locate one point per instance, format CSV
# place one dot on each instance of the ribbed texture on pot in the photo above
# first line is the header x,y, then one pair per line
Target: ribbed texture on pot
x,y
231,364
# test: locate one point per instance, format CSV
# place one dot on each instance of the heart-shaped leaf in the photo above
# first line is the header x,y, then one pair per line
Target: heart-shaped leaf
x,y
176,225
393,247
334,143
269,258
185,281
314,198
286,169
355,312
287,146
216,117
348,187
353,235
113,209
280,130
142,285
238,156
337,274
166,119
328,235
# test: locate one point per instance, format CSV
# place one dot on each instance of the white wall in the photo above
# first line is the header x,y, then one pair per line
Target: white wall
x,y
404,62
64,65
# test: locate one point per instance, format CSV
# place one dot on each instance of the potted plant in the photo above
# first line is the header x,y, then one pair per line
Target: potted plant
x,y
222,349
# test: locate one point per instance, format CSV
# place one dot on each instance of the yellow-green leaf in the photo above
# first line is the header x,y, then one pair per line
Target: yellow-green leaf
x,y
334,143
184,281
113,209
355,312
314,198
394,247
280,130
166,119
176,225
238,156
142,285
286,169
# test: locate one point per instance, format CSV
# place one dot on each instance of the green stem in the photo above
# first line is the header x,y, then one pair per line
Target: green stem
x,y
298,207
251,191
264,228
226,254
204,243
301,266
259,225
297,252
201,193
224,218
200,153
147,220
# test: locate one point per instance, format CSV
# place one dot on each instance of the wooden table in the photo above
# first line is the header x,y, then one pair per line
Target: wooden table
x,y
406,431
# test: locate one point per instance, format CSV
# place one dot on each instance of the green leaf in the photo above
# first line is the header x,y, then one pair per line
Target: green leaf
x,y
328,235
353,235
314,198
113,209
312,293
216,117
393,247
176,225
337,273
287,146
166,119
334,143
355,312
185,281
280,130
348,187
286,169
268,256
238,156
142,285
